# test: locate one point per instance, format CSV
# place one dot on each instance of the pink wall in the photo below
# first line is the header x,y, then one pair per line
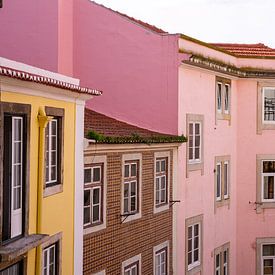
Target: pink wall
x,y
135,67
29,32
250,224
197,96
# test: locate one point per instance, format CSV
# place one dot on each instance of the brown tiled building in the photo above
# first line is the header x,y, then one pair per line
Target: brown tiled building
x,y
128,198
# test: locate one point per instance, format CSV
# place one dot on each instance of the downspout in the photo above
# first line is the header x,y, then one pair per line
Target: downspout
x,y
43,120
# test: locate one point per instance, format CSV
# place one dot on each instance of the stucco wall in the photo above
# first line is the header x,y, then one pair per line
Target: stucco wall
x,y
135,67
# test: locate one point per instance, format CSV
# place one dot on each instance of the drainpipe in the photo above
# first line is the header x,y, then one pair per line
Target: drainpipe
x,y
43,120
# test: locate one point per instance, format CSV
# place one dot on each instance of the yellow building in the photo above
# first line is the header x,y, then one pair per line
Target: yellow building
x,y
41,171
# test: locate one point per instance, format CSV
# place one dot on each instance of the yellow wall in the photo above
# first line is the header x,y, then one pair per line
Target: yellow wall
x,y
58,209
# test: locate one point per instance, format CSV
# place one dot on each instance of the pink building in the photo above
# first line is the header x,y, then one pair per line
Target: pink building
x,y
221,96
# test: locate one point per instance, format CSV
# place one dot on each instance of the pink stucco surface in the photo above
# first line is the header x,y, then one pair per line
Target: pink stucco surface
x,y
29,33
197,190
134,66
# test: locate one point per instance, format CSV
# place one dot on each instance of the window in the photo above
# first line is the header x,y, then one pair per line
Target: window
x,y
223,98
131,187
14,143
222,172
51,255
265,182
50,264
161,170
15,269
161,263
195,143
54,151
221,260
193,244
265,256
131,269
132,266
95,188
265,107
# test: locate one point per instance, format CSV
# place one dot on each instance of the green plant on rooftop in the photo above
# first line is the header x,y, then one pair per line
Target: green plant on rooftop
x,y
135,138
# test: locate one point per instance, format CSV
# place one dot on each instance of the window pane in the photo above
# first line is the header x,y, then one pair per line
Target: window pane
x,y
197,153
126,205
218,180
269,250
96,174
87,175
196,230
218,260
17,152
163,182
226,98
133,188
225,256
269,104
190,153
54,127
133,170
268,166
190,129
163,196
17,175
197,141
269,187
16,198
86,197
196,242
163,165
95,213
219,96
189,232
133,204
225,179
96,195
157,166
87,215
126,170
126,189
197,128
196,255
189,258
54,158
53,173
268,266
54,142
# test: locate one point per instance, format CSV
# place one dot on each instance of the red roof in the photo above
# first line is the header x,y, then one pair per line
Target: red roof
x,y
9,72
143,24
108,126
259,50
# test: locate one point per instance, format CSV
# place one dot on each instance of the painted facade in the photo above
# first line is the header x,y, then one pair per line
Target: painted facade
x,y
42,118
128,199
141,68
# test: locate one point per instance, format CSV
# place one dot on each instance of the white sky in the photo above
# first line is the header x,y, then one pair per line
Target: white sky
x,y
235,21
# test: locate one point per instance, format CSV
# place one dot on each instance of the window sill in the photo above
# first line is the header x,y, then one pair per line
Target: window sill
x,y
21,246
221,203
194,269
161,208
92,229
265,205
195,166
49,191
131,217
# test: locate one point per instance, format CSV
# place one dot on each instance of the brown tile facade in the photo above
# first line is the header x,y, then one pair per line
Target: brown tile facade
x,y
108,248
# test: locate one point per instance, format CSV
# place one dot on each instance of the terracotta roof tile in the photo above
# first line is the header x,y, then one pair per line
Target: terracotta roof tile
x,y
258,50
111,127
144,24
12,73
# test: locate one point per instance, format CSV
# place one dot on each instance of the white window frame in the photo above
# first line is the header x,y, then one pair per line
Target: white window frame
x,y
193,262
128,158
219,181
195,266
263,110
47,252
262,182
50,151
226,179
219,84
158,248
16,213
219,251
128,262
93,161
227,111
194,159
167,156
